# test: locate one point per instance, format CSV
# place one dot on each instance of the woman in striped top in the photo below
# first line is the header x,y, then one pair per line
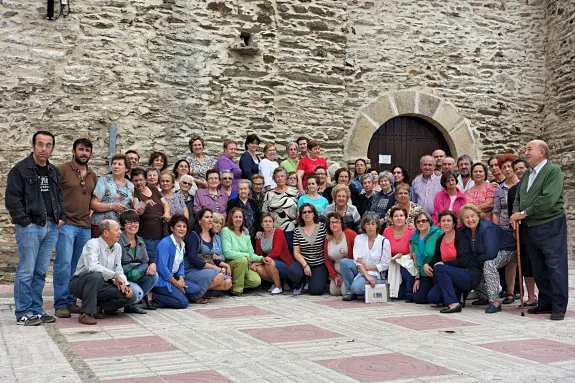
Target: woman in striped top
x,y
308,249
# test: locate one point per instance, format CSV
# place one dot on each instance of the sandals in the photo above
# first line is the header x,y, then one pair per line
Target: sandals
x,y
201,301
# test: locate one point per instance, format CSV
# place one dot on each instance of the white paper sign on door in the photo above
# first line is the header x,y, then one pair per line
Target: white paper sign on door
x,y
385,159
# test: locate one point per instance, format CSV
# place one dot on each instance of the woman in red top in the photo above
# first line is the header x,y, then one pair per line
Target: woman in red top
x,y
273,244
307,165
338,245
399,235
445,251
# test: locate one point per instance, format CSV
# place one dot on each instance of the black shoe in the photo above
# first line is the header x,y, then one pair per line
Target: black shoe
x,y
349,297
539,310
449,310
235,293
508,300
480,302
149,305
134,310
556,315
409,300
46,318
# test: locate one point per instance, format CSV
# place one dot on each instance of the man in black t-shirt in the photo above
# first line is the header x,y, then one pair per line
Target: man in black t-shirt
x,y
35,202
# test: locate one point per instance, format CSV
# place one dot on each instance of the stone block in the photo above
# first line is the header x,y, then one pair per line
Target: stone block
x,y
363,130
380,110
405,102
427,104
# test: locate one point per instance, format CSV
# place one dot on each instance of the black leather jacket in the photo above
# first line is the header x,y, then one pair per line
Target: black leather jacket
x,y
23,196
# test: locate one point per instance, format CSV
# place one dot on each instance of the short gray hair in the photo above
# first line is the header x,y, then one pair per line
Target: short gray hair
x,y
106,224
186,177
424,157
366,176
291,144
464,157
244,182
387,174
370,216
426,214
226,171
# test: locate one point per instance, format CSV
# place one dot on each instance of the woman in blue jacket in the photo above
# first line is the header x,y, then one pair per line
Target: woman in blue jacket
x,y
171,289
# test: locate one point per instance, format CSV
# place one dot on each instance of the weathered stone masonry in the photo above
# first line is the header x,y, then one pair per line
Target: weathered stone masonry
x,y
164,69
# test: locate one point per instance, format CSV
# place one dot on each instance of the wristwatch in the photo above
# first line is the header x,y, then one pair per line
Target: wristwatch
x,y
524,213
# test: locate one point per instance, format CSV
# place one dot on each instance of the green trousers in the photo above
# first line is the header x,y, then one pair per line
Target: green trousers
x,y
242,276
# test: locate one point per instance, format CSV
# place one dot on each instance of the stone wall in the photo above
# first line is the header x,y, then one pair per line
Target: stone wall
x,y
560,93
164,69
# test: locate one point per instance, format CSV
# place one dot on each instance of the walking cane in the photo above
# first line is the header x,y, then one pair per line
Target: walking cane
x,y
518,244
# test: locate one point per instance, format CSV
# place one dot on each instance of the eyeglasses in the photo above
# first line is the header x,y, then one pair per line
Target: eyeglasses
x,y
307,212
421,221
226,179
335,223
186,183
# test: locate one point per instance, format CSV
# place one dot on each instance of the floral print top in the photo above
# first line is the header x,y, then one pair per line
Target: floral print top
x,y
107,191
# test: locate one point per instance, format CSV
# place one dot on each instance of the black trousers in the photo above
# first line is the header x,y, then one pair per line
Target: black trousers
x,y
94,291
546,246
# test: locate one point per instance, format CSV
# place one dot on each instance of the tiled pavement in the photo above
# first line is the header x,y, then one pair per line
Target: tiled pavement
x,y
260,338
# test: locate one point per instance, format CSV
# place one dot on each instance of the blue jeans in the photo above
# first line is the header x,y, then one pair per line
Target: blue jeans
x,y
151,246
348,270
202,278
142,287
35,246
282,269
317,281
71,241
406,287
452,281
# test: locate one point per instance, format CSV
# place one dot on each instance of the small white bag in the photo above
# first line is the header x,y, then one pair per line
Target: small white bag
x,y
377,294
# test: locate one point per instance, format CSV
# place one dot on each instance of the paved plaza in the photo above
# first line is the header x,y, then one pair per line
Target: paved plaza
x,y
260,338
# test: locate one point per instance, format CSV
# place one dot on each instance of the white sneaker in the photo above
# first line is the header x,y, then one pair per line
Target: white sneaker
x,y
277,290
306,287
271,288
296,292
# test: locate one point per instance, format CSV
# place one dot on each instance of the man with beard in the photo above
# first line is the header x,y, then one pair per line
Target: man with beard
x,y
78,183
134,159
464,180
35,202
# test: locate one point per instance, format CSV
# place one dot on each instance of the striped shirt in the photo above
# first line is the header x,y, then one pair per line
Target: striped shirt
x,y
311,247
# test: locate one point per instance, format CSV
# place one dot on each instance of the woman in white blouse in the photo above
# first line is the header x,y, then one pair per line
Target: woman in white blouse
x,y
267,166
371,257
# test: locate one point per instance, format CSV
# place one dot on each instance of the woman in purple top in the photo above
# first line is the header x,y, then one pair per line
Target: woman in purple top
x,y
226,162
211,198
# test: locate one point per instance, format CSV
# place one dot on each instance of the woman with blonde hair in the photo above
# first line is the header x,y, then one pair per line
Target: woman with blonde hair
x,y
341,195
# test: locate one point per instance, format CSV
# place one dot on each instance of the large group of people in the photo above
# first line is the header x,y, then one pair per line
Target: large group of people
x,y
159,236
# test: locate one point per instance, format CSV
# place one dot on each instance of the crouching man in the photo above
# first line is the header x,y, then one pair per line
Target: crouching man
x,y
99,280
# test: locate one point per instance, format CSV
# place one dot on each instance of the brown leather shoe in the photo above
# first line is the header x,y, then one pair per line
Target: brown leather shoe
x,y
100,313
63,312
74,309
86,318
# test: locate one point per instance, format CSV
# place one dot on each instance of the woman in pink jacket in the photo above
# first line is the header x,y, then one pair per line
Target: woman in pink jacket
x,y
450,198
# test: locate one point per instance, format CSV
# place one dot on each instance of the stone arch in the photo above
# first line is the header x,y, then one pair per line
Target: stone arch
x,y
457,130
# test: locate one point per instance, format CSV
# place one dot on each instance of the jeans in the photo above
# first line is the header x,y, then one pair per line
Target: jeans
x,y
425,285
151,246
450,282
142,287
202,278
35,246
71,241
406,287
317,281
282,269
348,270
170,298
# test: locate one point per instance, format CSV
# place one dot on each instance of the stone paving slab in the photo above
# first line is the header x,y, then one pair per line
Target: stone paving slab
x,y
258,338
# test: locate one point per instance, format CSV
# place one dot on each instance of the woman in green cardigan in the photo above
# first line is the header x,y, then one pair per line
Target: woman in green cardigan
x,y
239,252
423,243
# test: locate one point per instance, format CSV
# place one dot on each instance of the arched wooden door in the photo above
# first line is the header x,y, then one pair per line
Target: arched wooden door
x,y
402,141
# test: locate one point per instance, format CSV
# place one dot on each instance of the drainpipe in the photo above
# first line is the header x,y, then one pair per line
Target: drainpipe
x,y
112,149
